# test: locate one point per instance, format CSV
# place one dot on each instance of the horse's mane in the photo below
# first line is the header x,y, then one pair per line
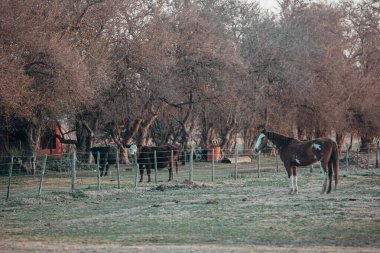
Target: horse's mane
x,y
279,140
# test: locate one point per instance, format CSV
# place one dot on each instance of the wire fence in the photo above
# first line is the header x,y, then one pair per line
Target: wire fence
x,y
72,172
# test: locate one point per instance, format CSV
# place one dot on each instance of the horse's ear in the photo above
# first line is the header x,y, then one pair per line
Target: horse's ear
x,y
262,128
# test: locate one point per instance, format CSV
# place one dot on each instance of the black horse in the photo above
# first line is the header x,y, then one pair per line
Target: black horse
x,y
295,153
107,156
166,156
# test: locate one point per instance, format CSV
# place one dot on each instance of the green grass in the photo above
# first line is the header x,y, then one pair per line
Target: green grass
x,y
248,211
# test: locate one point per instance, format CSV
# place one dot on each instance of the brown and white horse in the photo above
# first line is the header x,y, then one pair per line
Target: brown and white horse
x,y
296,153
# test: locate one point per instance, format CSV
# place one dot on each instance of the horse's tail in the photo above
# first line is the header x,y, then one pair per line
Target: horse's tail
x,y
335,160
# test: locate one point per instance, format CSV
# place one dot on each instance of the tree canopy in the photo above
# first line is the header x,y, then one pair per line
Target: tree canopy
x,y
188,72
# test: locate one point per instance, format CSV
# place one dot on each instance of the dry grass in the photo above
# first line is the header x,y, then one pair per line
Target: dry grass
x,y
225,216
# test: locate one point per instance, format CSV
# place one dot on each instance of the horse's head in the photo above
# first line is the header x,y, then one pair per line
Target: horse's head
x,y
262,141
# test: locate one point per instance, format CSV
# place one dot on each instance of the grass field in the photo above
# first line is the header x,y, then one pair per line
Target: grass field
x,y
244,215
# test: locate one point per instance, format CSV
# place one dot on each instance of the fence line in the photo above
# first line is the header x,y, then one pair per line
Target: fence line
x,y
73,171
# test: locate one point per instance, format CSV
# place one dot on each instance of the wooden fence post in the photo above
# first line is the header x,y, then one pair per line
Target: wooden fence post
x,y
118,169
236,157
347,156
74,172
171,163
276,160
377,154
34,163
191,165
258,165
155,167
357,159
213,166
42,174
10,176
98,168
369,154
137,171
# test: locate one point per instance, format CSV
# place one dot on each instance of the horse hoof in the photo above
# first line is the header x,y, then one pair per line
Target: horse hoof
x,y
291,192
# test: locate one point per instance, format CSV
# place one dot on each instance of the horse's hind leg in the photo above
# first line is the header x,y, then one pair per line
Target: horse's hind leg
x,y
324,166
170,173
107,167
330,172
290,176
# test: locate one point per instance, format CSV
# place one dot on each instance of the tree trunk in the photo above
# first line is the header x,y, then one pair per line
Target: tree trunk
x,y
147,126
364,143
339,140
226,138
130,134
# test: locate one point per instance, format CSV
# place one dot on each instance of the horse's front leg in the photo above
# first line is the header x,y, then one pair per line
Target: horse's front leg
x,y
141,173
148,172
295,183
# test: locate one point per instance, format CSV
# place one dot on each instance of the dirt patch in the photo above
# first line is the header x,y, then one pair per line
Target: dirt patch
x,y
13,246
188,186
105,193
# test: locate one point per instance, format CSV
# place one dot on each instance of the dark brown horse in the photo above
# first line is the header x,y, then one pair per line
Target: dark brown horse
x,y
296,153
147,160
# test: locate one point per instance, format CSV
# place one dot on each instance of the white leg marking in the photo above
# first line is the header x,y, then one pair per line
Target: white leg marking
x,y
291,186
295,184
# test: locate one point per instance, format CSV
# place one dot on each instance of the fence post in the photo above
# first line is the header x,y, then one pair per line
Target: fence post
x,y
118,169
171,163
42,174
369,154
377,154
213,166
357,159
10,176
155,167
98,168
276,160
191,165
258,165
137,171
236,156
73,172
34,164
347,154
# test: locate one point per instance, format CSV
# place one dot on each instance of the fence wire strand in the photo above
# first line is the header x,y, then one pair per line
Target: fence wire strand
x,y
27,171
